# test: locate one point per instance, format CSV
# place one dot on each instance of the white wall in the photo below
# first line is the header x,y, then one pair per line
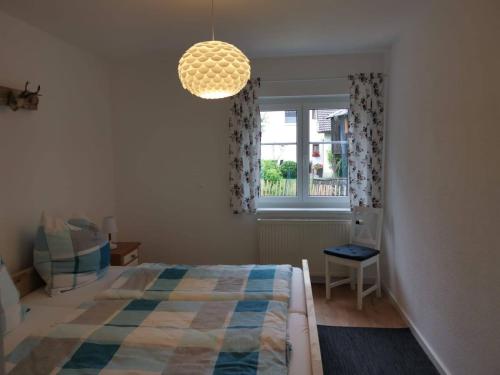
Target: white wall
x,y
313,75
171,156
58,158
442,185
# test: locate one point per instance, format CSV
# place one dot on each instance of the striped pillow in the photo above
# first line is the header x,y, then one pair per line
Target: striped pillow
x,y
70,254
11,311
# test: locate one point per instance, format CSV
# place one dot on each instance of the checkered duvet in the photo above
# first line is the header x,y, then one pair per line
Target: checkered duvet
x,y
172,319
200,283
161,337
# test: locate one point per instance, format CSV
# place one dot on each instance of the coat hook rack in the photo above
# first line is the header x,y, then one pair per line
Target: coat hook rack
x,y
24,99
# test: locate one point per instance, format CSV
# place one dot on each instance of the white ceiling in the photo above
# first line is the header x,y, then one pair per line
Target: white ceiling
x,y
116,29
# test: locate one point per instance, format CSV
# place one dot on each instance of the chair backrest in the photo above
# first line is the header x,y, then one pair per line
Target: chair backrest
x,y
366,227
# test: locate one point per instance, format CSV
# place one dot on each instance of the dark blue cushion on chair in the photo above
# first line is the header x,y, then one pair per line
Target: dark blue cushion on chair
x,y
353,252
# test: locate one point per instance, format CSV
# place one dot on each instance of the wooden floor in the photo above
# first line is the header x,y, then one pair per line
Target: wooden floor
x,y
341,309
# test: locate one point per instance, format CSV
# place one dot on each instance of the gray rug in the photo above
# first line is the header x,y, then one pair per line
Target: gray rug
x,y
372,351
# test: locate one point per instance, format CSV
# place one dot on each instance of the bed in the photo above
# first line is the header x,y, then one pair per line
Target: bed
x,y
48,313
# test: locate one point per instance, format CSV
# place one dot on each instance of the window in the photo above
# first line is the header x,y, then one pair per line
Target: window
x,y
290,117
304,153
278,154
315,152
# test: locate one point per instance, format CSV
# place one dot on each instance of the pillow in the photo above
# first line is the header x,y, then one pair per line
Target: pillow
x,y
11,311
69,254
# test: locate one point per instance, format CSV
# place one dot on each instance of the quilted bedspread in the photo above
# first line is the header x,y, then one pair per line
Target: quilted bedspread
x,y
218,282
145,336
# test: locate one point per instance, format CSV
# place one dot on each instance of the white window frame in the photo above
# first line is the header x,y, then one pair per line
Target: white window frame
x,y
302,105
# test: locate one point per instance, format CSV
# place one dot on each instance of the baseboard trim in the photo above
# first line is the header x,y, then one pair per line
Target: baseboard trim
x,y
420,338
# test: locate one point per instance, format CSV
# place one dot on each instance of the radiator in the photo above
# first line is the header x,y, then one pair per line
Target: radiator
x,y
290,240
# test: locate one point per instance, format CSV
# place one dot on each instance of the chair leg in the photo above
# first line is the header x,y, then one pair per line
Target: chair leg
x,y
352,275
327,277
360,287
379,293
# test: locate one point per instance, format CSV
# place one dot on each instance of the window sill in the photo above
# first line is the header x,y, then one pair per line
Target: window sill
x,y
304,213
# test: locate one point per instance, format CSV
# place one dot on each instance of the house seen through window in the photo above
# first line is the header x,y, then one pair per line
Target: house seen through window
x,y
304,155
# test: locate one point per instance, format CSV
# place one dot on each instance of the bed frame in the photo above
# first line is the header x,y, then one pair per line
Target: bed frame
x,y
28,280
316,364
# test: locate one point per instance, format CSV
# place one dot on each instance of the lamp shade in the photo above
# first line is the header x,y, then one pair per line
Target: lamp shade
x,y
213,69
109,225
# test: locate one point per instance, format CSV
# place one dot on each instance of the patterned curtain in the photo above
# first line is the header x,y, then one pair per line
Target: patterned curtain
x,y
244,149
366,136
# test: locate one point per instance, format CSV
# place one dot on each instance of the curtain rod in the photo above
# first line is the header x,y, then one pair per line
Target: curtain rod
x,y
309,79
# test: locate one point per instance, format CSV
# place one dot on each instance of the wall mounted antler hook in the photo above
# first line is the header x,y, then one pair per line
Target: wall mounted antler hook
x,y
26,93
16,99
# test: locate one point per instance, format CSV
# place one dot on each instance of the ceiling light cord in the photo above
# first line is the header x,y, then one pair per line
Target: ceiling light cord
x,y
213,27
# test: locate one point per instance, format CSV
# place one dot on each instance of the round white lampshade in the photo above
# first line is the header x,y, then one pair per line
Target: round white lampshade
x,y
214,70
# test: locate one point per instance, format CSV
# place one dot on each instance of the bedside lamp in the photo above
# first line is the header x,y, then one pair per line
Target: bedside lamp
x,y
109,227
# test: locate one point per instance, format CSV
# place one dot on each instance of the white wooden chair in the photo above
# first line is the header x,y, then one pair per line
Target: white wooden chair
x,y
362,251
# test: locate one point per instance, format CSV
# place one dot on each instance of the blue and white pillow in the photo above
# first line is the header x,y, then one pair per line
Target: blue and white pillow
x,y
11,311
70,254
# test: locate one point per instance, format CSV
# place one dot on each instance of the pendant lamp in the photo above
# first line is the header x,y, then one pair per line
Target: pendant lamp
x,y
213,69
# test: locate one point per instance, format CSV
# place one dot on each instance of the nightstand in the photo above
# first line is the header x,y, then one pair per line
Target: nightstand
x,y
125,254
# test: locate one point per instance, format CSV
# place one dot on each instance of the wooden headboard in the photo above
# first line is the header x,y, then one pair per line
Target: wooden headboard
x,y
26,281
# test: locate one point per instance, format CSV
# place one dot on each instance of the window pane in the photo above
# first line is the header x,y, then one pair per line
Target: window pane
x,y
327,125
328,170
279,126
278,171
290,117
